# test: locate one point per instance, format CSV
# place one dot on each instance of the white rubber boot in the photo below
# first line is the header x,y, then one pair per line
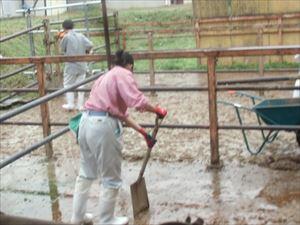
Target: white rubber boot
x,y
80,101
108,198
70,101
81,195
296,93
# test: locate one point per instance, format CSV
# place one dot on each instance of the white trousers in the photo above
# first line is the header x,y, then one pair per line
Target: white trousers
x,y
70,79
100,140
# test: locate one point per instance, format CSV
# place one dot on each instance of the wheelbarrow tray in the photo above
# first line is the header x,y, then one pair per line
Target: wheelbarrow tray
x,y
285,111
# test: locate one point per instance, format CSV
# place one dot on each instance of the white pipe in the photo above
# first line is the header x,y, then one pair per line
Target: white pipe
x,y
77,30
58,6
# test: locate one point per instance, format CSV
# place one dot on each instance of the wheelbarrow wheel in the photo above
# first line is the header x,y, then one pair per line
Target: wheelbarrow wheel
x,y
298,136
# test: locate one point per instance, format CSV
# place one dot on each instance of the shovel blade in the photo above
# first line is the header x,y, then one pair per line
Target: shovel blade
x,y
139,196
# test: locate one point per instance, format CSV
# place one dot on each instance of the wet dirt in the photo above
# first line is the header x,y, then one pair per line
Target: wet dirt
x,y
262,189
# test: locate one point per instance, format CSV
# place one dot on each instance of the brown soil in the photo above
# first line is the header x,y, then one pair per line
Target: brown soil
x,y
262,189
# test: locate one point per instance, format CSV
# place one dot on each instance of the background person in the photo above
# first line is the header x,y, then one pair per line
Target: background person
x,y
100,137
73,43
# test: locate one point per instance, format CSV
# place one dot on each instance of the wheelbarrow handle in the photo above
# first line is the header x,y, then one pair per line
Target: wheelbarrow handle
x,y
158,122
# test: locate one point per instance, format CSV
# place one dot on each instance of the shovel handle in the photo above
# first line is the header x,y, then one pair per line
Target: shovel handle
x,y
158,122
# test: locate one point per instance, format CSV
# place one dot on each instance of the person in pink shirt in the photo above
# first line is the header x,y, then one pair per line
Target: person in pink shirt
x,y
100,137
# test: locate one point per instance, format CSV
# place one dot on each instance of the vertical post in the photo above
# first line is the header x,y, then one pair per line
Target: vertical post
x,y
57,52
198,38
31,40
47,44
117,32
151,62
86,19
261,58
106,33
45,5
213,117
124,39
280,38
44,107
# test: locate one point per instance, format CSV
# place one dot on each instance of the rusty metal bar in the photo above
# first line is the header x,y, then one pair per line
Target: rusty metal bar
x,y
261,58
212,106
280,34
151,62
106,33
191,70
20,33
258,79
47,43
175,89
176,126
18,155
44,108
124,36
17,71
116,26
46,98
15,93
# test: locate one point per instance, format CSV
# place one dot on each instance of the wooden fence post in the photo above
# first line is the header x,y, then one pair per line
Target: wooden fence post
x,y
106,33
44,107
57,52
151,62
124,39
280,36
117,32
213,117
47,44
198,38
261,58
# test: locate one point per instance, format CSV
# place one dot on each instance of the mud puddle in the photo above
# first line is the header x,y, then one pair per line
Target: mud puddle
x,y
233,195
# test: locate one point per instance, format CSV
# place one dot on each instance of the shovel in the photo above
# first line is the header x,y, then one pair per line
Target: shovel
x,y
139,196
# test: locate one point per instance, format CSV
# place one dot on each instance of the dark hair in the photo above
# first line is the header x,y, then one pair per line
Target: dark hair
x,y
123,58
68,24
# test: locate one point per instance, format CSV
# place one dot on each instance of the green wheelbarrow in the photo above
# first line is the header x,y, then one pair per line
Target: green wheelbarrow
x,y
285,111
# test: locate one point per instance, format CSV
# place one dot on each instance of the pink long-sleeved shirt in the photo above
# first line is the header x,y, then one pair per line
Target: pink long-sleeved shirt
x,y
115,92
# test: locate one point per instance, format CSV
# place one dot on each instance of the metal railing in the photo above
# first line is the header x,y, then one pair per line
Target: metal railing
x,y
211,54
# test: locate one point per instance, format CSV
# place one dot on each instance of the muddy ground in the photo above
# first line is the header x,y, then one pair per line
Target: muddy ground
x,y
262,189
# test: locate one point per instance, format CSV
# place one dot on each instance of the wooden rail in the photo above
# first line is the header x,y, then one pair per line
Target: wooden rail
x,y
164,54
216,20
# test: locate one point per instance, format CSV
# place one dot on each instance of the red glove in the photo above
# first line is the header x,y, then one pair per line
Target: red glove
x,y
148,137
160,112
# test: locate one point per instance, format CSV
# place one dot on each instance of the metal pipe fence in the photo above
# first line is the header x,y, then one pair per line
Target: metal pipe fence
x,y
35,146
20,33
44,99
179,126
15,93
16,72
211,54
171,89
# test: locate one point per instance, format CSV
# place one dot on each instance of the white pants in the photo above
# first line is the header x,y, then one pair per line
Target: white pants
x,y
296,93
70,79
100,140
